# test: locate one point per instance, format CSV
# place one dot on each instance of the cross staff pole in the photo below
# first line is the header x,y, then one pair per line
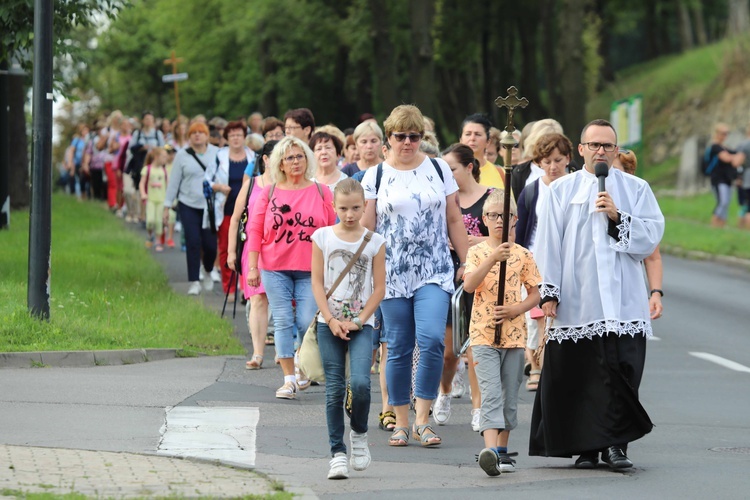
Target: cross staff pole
x,y
511,102
173,62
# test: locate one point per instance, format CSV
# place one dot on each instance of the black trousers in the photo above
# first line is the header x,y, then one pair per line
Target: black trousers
x,y
588,396
197,239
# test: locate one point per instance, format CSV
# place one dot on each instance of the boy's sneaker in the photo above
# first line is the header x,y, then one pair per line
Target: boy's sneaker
x,y
289,391
441,410
505,463
195,288
360,459
216,275
338,470
489,462
201,274
170,243
475,415
178,226
208,283
459,386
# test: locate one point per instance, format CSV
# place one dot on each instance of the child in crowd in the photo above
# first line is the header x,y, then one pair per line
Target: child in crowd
x,y
499,366
169,230
345,322
153,188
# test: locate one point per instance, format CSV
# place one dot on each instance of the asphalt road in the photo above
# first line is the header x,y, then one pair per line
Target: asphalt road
x,y
699,448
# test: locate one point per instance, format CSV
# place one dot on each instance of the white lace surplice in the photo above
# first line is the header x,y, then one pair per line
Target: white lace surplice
x,y
598,280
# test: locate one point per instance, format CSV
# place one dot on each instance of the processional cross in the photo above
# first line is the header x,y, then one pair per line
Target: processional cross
x,y
172,61
511,102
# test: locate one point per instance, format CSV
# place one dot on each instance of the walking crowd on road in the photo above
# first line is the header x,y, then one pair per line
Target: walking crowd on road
x,y
378,245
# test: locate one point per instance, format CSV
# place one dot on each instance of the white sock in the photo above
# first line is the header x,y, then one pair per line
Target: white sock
x,y
290,378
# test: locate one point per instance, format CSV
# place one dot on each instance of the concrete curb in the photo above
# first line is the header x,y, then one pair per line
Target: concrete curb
x,y
42,359
696,255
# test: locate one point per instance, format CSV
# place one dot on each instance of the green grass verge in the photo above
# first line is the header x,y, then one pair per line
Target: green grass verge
x,y
106,291
688,227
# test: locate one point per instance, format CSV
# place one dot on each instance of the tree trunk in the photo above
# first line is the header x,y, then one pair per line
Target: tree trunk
x,y
549,61
699,23
528,29
652,30
18,182
739,17
685,25
572,68
422,61
385,93
269,98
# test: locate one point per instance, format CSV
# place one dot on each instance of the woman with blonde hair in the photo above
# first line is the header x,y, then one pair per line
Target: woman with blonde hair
x,y
283,220
527,172
369,140
412,203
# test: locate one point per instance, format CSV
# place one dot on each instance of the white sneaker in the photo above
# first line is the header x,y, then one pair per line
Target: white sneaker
x,y
201,274
216,275
360,459
459,387
338,470
195,288
208,283
441,410
288,391
475,414
178,227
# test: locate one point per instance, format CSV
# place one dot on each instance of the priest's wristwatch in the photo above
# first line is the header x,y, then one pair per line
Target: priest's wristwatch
x,y
357,322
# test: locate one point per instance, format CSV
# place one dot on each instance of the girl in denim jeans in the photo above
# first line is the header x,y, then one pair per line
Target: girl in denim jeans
x,y
345,321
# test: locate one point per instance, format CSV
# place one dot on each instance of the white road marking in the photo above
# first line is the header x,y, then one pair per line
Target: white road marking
x,y
220,433
726,363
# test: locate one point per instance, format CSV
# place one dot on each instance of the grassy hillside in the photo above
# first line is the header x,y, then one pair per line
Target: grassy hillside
x,y
668,84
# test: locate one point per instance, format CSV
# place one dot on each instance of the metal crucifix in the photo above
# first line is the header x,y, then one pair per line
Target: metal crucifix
x,y
511,102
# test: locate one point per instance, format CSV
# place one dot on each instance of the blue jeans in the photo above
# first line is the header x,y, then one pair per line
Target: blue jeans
x,y
723,195
333,353
421,318
281,288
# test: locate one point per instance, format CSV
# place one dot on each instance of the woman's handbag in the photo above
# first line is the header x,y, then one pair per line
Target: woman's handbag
x,y
310,361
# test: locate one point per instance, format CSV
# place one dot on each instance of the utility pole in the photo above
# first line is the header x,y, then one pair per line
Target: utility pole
x,y
40,220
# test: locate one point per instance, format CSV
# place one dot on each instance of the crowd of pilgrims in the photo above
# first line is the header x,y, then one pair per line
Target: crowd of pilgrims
x,y
274,210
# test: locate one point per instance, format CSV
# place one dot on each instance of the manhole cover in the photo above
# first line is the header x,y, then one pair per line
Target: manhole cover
x,y
745,451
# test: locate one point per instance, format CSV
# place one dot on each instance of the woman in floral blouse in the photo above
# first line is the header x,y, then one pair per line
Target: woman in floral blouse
x,y
412,202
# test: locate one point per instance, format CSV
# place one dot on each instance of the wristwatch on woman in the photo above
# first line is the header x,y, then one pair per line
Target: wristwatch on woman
x,y
656,290
357,322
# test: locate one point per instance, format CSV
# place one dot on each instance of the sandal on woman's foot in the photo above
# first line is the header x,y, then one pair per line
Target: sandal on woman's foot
x,y
255,362
400,437
426,435
533,383
387,421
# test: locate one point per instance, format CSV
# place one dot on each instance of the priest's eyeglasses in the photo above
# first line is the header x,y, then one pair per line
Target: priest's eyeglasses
x,y
594,146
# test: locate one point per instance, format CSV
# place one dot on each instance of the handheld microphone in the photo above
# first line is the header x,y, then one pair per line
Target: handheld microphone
x,y
601,170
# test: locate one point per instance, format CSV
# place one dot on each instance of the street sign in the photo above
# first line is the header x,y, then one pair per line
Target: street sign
x,y
176,77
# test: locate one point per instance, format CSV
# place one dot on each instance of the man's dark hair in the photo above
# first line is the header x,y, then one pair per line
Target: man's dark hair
x,y
600,122
481,120
303,116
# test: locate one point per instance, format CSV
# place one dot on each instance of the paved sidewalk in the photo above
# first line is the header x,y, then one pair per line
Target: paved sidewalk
x,y
121,475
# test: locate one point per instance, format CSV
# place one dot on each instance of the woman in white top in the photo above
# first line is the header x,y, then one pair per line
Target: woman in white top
x,y
412,202
345,322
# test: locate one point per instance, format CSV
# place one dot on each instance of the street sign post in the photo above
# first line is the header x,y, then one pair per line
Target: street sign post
x,y
176,77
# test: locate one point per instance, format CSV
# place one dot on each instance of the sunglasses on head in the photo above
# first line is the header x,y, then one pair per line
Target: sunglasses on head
x,y
401,137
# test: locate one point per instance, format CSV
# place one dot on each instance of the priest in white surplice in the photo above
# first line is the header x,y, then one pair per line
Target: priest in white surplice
x,y
589,252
